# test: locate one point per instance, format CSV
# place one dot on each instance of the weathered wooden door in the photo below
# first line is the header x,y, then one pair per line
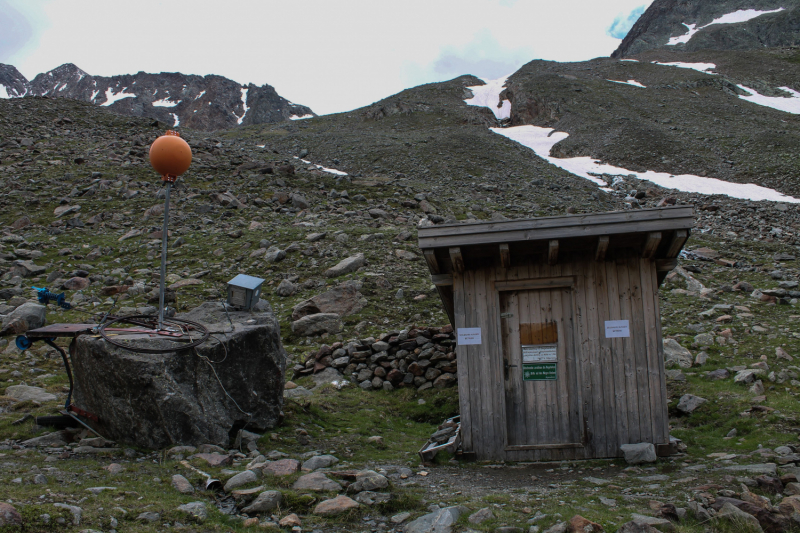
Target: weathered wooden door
x,y
540,364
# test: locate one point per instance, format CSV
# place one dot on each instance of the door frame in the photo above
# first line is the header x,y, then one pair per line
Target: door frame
x,y
544,283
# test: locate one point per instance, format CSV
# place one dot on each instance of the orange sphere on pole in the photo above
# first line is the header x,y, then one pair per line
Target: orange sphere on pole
x,y
170,156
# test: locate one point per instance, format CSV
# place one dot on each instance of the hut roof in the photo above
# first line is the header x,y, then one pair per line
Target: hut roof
x,y
657,233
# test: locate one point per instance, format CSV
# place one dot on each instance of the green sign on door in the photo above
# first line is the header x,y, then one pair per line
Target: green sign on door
x,y
539,371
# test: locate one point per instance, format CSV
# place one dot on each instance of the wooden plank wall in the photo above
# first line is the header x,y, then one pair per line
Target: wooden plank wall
x,y
622,389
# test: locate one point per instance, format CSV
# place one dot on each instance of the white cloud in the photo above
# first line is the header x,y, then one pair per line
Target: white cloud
x,y
21,23
623,23
330,56
483,57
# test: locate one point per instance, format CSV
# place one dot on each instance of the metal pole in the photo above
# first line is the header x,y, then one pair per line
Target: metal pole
x,y
163,261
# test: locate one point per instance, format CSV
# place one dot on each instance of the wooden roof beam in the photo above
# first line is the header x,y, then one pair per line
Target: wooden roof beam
x,y
552,252
677,242
651,244
505,255
457,259
442,280
665,265
433,263
602,248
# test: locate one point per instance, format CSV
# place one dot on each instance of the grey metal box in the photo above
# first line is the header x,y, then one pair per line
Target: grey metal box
x,y
244,291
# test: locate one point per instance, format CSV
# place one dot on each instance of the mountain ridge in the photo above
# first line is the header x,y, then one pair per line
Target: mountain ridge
x,y
204,103
690,25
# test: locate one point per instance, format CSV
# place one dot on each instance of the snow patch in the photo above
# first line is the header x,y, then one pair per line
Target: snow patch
x,y
298,117
94,95
164,102
177,120
244,105
320,167
489,96
542,140
742,15
199,95
111,97
4,92
629,82
631,60
705,68
680,39
790,105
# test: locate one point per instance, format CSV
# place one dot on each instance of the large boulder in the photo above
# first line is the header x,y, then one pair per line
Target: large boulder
x,y
342,300
25,317
675,354
9,516
738,519
441,521
187,397
317,324
26,392
345,266
26,269
689,402
642,452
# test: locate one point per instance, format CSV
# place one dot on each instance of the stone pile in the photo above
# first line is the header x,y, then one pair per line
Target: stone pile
x,y
417,357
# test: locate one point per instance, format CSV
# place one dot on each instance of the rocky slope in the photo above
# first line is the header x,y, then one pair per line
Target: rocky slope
x,y
326,211
81,215
204,103
702,26
681,122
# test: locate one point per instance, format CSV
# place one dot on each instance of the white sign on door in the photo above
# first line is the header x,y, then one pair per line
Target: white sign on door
x,y
540,353
617,328
469,336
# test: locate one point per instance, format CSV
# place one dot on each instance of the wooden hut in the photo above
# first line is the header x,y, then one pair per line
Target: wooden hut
x,y
560,353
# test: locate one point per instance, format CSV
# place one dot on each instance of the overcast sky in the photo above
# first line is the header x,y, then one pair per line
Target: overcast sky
x,y
331,55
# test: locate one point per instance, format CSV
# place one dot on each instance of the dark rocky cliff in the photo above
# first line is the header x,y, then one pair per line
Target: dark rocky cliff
x,y
665,19
12,82
200,102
